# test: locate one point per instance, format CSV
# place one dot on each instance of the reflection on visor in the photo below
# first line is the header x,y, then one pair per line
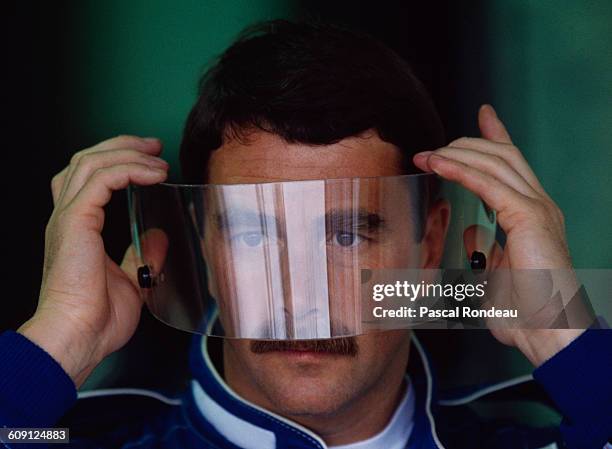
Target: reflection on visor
x,y
284,260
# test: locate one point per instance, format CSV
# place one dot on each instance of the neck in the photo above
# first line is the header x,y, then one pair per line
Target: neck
x,y
359,418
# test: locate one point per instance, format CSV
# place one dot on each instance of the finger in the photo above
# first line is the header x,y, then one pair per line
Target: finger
x,y
57,183
130,264
507,152
128,301
96,192
91,162
499,196
147,145
151,145
491,165
491,127
482,239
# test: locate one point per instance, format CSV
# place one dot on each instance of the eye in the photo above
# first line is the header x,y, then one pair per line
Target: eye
x,y
347,239
254,239
251,239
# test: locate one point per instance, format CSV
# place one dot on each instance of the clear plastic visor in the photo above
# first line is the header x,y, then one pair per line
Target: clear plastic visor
x,y
287,260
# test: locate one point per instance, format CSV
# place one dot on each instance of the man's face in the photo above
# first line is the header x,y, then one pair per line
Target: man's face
x,y
303,378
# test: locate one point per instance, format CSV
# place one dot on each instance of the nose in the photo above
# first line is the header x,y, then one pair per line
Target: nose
x,y
303,314
306,322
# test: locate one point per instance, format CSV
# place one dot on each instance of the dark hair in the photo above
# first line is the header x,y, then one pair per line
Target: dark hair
x,y
309,83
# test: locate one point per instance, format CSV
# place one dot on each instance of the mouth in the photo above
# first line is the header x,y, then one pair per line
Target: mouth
x,y
307,348
303,351
304,356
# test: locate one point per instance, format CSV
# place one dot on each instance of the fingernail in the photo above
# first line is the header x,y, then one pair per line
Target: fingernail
x,y
158,171
423,154
157,162
490,108
150,139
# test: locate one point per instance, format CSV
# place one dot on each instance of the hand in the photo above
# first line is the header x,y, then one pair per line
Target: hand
x,y
495,170
88,305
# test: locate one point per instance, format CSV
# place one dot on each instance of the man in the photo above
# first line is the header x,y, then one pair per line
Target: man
x,y
293,102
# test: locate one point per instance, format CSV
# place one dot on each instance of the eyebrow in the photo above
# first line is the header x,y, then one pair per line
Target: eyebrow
x,y
333,219
353,219
242,217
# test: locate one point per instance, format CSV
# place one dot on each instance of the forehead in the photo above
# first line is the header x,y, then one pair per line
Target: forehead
x,y
265,157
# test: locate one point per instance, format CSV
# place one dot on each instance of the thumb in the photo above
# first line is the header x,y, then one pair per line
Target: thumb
x,y
482,239
491,127
154,250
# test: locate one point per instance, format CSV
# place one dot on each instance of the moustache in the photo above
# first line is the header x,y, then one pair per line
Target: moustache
x,y
346,346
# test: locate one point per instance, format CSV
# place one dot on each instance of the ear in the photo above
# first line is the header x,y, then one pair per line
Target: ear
x,y
434,237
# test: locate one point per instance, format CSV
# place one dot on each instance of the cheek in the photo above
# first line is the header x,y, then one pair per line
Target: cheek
x,y
239,354
380,348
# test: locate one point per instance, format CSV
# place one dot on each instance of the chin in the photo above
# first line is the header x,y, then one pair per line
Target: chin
x,y
305,397
307,392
